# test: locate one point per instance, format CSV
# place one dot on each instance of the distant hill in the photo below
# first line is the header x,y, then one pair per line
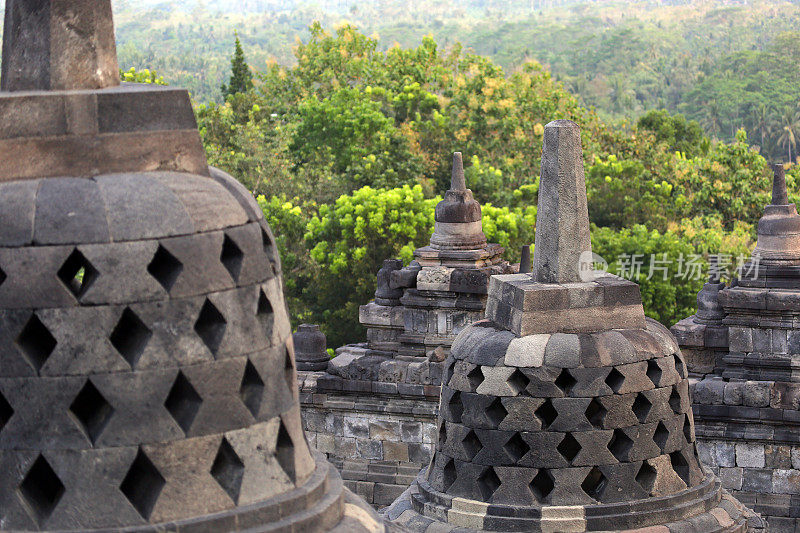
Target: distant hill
x,y
727,64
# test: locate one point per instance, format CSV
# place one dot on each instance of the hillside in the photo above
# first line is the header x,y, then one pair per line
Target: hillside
x,y
726,64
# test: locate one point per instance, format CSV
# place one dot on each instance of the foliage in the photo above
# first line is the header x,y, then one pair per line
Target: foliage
x,y
658,263
141,76
241,79
679,134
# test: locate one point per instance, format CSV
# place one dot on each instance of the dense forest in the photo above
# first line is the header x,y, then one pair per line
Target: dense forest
x,y
726,64
348,149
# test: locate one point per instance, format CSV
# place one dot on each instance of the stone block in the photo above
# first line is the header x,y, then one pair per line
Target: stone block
x,y
762,340
384,430
733,393
758,480
563,351
756,394
750,455
786,481
725,454
731,478
527,351
395,451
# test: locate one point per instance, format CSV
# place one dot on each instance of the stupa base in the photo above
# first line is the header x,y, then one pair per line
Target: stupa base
x,y
706,508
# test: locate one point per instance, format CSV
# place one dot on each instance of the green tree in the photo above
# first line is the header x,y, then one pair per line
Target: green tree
x,y
241,79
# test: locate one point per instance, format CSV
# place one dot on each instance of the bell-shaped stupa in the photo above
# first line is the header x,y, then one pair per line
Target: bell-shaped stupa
x,y
566,409
147,376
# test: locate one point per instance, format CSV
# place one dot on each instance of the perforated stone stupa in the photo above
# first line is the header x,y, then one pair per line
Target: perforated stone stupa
x,y
147,377
566,409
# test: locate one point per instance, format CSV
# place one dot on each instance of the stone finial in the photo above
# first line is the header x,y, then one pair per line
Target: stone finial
x,y
58,45
779,194
562,222
457,180
310,348
525,260
458,216
384,293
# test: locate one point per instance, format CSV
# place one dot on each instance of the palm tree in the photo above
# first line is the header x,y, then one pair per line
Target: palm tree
x,y
762,122
712,120
788,126
620,93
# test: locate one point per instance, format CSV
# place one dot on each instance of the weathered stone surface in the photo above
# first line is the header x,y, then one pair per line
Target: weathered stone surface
x,y
563,215
58,44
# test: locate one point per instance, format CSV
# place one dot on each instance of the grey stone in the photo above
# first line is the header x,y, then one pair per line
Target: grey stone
x,y
59,45
563,216
70,211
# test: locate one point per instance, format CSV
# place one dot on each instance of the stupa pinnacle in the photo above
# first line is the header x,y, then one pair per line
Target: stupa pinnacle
x,y
566,409
147,373
458,217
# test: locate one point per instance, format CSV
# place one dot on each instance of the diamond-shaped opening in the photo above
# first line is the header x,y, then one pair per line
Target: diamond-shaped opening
x,y
231,258
542,485
687,428
449,474
77,274
228,470
2,276
641,407
455,407
569,447
266,241
496,412
165,268
680,466
516,447
183,402
661,435
130,337
675,401
518,381
448,372
251,390
36,342
615,380
264,313
6,412
654,372
91,410
680,366
619,445
488,483
142,485
442,433
646,477
288,369
41,489
594,484
595,413
472,444
565,381
210,326
284,452
546,414
475,378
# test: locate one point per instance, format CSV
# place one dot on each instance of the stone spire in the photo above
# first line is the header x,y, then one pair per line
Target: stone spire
x,y
458,217
525,260
779,194
562,230
779,228
59,45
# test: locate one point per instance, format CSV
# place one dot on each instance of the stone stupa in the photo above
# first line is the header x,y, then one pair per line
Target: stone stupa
x,y
747,397
147,378
566,410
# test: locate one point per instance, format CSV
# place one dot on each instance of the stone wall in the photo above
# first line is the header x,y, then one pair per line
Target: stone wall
x,y
748,433
378,440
